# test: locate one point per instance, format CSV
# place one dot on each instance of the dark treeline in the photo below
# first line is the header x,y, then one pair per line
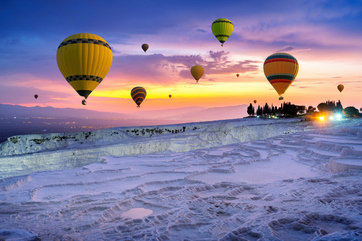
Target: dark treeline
x,y
330,106
286,109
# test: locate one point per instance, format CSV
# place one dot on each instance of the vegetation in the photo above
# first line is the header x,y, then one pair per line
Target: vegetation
x,y
287,109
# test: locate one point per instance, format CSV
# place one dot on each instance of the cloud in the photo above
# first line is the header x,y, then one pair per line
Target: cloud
x,y
158,68
286,49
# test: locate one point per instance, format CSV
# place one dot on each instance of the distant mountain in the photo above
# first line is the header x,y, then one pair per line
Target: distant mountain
x,y
168,113
216,113
185,114
11,111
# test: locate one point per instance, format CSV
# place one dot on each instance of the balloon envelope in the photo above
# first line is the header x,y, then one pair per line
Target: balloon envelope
x,y
170,96
145,47
138,94
281,69
84,59
340,88
197,72
36,96
254,101
222,28
237,75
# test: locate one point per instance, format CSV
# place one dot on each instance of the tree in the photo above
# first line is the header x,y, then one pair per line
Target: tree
x,y
259,111
339,107
322,107
350,111
251,110
311,109
266,109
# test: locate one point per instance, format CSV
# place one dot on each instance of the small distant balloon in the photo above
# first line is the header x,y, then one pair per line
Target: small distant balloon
x,y
197,72
36,96
222,28
84,102
145,47
254,101
281,98
138,94
340,88
169,96
237,75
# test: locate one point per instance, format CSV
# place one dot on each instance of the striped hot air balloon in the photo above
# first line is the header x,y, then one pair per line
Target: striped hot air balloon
x,y
222,28
84,59
281,69
138,94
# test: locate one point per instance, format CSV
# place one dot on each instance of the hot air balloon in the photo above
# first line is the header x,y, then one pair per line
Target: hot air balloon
x,y
36,96
340,88
145,47
84,102
222,28
84,59
197,72
281,69
138,94
169,96
254,101
237,75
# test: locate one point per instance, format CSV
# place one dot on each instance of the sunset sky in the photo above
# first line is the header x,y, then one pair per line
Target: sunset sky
x,y
324,36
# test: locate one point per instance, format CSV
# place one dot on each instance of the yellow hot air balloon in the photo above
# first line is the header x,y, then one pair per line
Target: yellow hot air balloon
x,y
197,71
84,59
340,88
222,28
138,94
145,47
281,69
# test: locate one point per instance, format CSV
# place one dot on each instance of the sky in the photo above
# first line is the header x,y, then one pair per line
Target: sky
x,y
324,36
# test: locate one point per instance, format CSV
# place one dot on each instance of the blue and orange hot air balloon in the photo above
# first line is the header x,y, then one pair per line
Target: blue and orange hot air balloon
x,y
138,94
281,69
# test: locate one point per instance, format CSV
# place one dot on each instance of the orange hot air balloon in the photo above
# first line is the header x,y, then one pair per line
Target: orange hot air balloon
x,y
237,75
340,88
281,69
138,94
197,72
36,96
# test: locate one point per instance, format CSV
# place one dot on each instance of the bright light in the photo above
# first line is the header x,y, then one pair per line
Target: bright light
x,y
321,118
331,117
338,116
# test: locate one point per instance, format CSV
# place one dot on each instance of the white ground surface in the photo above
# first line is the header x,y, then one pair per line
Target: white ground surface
x,y
297,186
